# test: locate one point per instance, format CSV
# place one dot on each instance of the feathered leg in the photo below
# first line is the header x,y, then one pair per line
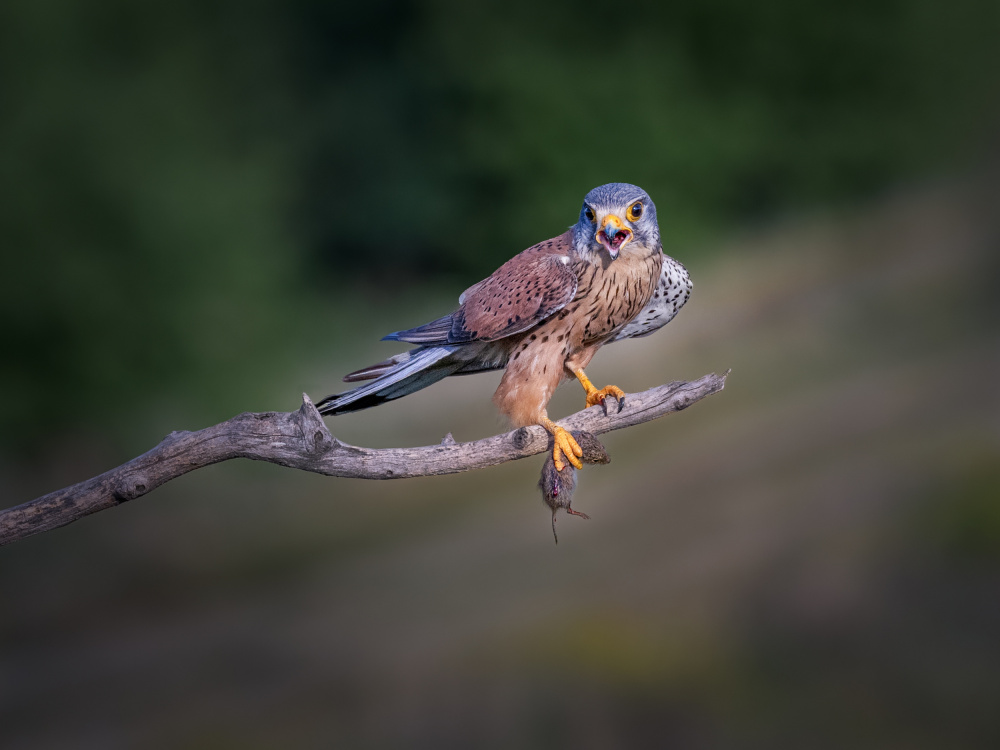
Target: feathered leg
x,y
524,392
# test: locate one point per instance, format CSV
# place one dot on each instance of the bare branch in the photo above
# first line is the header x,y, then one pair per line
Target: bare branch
x,y
301,440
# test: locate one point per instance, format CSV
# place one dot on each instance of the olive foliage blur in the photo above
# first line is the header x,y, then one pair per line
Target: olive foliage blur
x,y
195,193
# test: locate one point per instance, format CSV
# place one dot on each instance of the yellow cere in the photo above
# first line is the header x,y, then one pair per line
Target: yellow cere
x,y
613,220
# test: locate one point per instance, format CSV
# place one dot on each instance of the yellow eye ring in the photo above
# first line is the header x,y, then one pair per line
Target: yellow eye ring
x,y
589,213
634,211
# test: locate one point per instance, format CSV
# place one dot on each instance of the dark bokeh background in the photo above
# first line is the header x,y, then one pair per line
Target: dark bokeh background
x,y
210,207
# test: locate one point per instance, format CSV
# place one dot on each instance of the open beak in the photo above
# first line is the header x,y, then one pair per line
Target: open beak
x,y
613,234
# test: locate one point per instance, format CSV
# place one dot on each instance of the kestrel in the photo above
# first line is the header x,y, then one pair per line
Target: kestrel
x,y
542,316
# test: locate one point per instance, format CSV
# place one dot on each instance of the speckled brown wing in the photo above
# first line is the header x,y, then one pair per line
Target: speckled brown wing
x,y
523,292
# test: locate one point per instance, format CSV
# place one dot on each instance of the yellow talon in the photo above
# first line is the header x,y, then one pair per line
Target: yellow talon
x,y
596,397
563,444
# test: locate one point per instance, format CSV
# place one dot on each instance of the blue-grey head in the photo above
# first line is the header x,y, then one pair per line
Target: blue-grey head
x,y
614,216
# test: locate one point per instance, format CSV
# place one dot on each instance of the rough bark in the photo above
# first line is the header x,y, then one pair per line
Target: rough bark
x,y
301,440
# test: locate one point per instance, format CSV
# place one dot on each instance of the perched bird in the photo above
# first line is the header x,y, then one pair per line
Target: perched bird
x,y
542,316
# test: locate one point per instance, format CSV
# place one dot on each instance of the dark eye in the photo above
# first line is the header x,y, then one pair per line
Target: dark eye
x,y
634,211
589,213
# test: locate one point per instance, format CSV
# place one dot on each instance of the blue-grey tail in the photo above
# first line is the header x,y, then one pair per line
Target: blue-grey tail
x,y
402,375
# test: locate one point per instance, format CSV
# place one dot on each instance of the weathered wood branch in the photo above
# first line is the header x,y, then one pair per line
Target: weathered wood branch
x,y
301,440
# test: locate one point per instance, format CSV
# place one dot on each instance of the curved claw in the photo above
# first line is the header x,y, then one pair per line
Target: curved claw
x,y
595,397
564,444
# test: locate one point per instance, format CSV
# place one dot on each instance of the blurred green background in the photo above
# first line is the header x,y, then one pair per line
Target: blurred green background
x,y
211,207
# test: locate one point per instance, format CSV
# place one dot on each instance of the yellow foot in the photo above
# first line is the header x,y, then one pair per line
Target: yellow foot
x,y
564,444
595,397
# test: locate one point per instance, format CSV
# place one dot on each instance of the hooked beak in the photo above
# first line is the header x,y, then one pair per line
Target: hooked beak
x,y
613,234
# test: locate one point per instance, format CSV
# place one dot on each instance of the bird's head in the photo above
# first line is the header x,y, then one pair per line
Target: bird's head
x,y
613,217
